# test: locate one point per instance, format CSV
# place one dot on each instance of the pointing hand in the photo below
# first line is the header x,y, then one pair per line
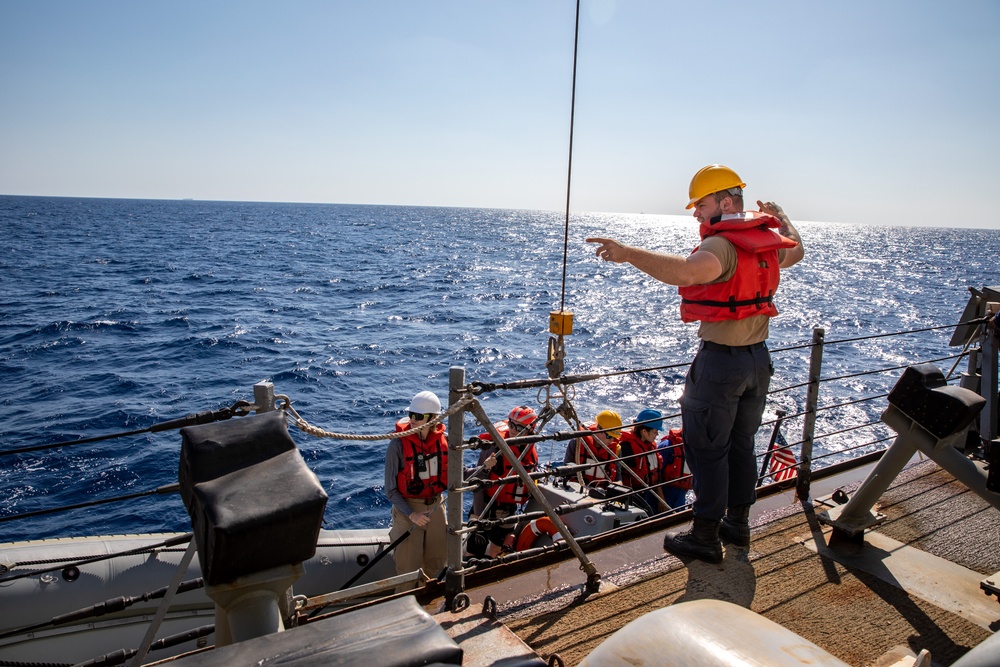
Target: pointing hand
x,y
610,250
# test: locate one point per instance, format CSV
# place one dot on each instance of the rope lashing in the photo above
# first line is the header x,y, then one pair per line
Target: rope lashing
x,y
306,427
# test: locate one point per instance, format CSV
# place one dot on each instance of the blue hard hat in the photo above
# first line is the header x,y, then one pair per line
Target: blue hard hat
x,y
648,414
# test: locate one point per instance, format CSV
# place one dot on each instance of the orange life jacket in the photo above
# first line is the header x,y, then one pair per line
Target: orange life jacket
x,y
647,466
514,493
751,289
425,462
673,471
590,451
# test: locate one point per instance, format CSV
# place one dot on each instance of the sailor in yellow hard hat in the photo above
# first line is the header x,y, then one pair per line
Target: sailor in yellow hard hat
x,y
712,179
727,285
599,448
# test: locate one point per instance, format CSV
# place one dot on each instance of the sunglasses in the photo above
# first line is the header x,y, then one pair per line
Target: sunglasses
x,y
416,417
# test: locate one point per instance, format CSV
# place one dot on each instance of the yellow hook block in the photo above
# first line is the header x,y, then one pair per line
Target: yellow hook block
x,y
560,322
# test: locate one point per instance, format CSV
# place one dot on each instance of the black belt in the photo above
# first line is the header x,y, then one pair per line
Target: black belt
x,y
427,501
709,345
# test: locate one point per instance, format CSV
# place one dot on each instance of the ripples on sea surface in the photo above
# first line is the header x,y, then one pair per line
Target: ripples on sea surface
x,y
118,314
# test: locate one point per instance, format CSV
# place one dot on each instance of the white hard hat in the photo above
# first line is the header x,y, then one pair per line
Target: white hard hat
x,y
424,403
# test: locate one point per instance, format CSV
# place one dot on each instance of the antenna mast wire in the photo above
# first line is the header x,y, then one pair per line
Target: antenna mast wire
x,y
569,167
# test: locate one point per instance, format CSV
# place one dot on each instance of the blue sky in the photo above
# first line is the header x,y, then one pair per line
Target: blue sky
x,y
873,112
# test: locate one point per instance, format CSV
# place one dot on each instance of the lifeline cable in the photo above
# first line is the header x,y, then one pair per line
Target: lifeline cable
x,y
160,490
237,409
109,606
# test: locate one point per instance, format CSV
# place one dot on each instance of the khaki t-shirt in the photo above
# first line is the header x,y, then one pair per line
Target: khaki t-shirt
x,y
747,331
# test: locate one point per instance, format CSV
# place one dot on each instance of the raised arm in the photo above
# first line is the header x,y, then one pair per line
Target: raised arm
x,y
696,269
791,255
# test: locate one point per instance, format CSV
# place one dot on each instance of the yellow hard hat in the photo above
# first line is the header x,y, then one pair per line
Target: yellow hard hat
x,y
711,179
610,419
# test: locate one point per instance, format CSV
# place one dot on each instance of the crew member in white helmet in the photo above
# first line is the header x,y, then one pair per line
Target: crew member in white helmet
x,y
416,476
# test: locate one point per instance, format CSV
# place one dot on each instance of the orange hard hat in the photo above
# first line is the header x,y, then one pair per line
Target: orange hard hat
x,y
523,416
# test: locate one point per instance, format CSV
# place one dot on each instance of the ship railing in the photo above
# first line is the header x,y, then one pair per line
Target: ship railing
x,y
809,435
810,414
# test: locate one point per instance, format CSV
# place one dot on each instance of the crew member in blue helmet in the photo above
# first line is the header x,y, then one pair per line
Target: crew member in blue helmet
x,y
638,454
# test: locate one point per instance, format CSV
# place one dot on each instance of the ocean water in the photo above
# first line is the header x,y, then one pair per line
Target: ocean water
x,y
118,314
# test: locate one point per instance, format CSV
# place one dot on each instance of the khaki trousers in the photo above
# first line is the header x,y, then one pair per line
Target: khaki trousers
x,y
426,546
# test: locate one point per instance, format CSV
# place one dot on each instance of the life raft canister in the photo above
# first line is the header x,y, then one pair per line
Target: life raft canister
x,y
751,289
535,529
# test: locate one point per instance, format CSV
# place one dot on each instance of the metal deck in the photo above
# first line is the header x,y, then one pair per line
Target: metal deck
x,y
916,583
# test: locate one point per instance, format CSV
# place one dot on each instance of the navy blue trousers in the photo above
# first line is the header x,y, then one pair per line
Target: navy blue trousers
x,y
721,409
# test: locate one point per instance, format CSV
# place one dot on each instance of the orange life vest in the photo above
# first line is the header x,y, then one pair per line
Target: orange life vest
x,y
590,451
514,493
751,289
425,462
647,466
674,472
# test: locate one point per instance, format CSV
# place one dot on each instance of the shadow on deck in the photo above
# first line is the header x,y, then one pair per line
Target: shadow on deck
x,y
892,599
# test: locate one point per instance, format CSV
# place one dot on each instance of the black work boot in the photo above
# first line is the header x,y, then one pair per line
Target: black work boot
x,y
735,527
702,541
